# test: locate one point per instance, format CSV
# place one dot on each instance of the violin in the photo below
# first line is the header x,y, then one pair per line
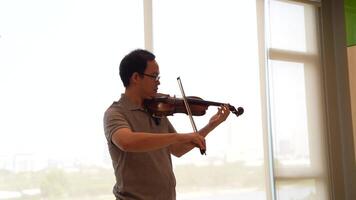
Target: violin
x,y
165,105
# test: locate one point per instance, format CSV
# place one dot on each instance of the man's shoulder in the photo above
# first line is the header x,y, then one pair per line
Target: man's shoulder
x,y
118,104
115,107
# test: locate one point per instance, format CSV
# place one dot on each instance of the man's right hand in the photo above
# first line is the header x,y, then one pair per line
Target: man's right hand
x,y
196,140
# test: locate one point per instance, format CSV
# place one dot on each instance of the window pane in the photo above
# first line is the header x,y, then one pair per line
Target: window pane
x,y
298,130
215,54
293,26
289,114
59,72
305,189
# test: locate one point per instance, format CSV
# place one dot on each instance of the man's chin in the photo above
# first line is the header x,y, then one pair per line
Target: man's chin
x,y
154,94
151,96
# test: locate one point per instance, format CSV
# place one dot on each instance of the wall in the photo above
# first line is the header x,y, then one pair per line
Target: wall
x,y
350,19
341,153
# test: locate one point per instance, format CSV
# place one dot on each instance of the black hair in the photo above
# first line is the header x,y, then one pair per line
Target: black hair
x,y
135,61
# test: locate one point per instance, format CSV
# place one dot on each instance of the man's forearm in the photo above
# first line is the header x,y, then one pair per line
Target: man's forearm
x,y
140,141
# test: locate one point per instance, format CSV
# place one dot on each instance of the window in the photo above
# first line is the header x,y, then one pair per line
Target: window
x,y
59,72
212,47
296,101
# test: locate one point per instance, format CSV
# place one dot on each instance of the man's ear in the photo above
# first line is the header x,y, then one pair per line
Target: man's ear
x,y
135,77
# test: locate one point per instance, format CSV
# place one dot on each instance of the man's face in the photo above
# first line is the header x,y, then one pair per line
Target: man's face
x,y
150,82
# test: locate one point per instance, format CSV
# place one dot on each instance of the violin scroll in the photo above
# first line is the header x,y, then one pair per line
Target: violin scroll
x,y
237,112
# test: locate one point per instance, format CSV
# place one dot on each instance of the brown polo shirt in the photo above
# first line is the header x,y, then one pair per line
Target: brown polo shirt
x,y
139,175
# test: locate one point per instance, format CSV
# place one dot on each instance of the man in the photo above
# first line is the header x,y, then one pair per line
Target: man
x,y
141,148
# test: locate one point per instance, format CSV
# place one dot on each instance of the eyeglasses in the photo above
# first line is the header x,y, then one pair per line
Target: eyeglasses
x,y
156,77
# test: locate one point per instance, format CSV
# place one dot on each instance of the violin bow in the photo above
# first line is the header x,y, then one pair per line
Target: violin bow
x,y
202,151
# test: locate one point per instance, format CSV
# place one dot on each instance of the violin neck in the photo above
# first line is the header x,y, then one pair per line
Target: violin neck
x,y
237,112
203,102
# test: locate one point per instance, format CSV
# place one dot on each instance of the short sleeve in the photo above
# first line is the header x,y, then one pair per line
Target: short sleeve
x,y
113,120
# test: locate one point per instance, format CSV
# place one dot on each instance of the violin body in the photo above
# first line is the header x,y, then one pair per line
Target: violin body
x,y
164,105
